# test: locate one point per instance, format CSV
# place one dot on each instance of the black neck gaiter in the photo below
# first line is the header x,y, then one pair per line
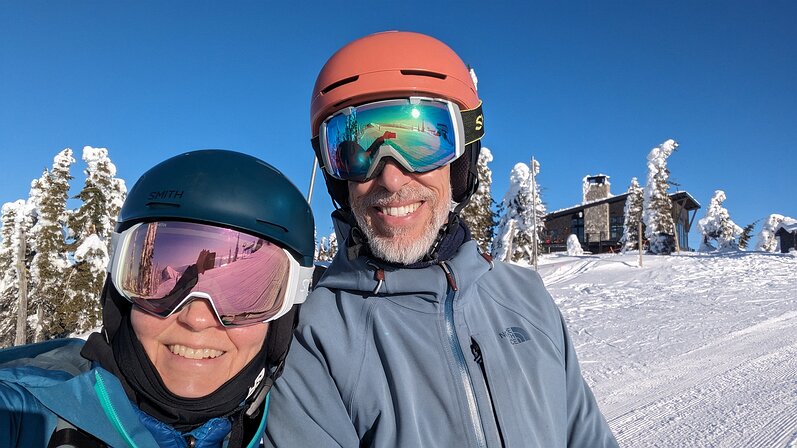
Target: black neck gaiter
x,y
152,397
451,236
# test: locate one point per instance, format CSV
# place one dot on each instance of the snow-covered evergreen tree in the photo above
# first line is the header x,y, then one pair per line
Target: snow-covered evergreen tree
x,y
479,214
12,221
632,216
28,219
767,241
327,248
516,227
321,250
91,227
657,206
50,264
718,226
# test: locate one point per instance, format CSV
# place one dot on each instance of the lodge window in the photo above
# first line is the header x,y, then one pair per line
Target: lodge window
x,y
616,227
577,226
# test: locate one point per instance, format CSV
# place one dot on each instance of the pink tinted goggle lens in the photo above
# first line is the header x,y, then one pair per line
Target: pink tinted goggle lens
x,y
167,264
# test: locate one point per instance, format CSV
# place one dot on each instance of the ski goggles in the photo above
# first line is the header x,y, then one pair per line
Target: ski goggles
x,y
161,266
421,134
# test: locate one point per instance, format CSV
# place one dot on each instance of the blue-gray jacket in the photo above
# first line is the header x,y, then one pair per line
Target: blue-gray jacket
x,y
481,360
44,385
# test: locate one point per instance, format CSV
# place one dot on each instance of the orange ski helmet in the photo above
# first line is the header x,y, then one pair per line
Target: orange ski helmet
x,y
396,64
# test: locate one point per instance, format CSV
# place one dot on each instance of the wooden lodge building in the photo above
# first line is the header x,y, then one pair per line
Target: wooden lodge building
x,y
786,232
598,220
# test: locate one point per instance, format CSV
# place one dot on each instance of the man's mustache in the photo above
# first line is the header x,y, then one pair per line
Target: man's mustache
x,y
383,198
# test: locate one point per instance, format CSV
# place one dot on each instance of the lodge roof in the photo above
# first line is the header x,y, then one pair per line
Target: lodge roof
x,y
689,204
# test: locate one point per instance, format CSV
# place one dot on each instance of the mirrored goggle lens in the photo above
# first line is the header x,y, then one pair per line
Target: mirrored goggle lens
x,y
165,263
422,137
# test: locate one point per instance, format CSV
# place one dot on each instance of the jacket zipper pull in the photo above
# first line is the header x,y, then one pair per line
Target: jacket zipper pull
x,y
477,352
449,276
379,276
190,441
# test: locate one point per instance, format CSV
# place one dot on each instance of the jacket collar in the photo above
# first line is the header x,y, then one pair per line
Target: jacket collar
x,y
361,275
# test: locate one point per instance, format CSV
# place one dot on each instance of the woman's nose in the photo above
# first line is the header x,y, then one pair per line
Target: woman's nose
x,y
198,315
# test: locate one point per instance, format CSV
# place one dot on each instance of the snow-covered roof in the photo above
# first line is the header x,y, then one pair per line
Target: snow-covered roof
x,y
620,197
788,224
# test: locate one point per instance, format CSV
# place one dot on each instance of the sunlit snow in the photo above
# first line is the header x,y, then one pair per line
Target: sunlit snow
x,y
687,350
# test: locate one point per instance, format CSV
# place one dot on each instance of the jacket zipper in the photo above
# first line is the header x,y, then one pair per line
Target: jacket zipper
x,y
459,357
477,356
110,411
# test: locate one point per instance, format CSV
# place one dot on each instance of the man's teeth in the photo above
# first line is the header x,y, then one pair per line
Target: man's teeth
x,y
404,210
194,353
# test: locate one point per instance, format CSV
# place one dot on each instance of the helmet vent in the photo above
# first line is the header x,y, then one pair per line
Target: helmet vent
x,y
423,73
337,84
271,224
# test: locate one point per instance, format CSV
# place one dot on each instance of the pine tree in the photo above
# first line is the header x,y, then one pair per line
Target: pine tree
x,y
632,216
656,205
12,217
321,250
747,233
718,226
92,225
516,228
767,241
50,264
327,248
479,214
332,246
538,217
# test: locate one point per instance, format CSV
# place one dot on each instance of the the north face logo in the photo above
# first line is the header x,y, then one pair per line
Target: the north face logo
x,y
515,335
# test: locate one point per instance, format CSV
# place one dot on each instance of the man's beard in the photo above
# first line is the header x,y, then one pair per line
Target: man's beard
x,y
398,247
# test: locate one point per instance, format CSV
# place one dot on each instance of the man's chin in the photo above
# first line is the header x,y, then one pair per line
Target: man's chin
x,y
397,250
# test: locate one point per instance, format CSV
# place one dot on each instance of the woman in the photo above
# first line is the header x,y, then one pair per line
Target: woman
x,y
212,250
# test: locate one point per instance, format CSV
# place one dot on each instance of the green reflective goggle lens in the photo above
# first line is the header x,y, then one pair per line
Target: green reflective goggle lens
x,y
421,134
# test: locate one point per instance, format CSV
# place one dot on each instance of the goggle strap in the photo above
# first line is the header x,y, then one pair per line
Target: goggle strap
x,y
473,122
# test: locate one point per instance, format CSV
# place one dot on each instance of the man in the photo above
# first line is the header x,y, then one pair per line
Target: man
x,y
413,337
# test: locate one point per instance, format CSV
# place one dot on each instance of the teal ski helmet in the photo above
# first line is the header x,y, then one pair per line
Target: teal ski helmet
x,y
228,189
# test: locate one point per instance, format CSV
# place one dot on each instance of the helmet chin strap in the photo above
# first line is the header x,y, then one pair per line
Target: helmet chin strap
x,y
448,227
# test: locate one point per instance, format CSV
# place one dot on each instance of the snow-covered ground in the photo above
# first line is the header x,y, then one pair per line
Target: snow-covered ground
x,y
690,350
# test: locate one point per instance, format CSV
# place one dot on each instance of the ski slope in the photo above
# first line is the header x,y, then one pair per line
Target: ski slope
x,y
690,350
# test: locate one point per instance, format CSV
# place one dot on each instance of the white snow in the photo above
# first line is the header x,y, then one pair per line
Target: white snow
x,y
718,226
93,251
766,238
574,246
787,224
689,350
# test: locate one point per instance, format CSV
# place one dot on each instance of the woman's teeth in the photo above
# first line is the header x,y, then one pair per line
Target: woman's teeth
x,y
194,353
404,210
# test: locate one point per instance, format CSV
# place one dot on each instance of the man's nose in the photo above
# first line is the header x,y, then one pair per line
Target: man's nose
x,y
393,177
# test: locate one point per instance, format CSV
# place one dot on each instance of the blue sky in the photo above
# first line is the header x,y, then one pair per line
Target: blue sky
x,y
585,87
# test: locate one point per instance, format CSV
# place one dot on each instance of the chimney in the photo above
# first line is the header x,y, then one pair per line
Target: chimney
x,y
595,188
